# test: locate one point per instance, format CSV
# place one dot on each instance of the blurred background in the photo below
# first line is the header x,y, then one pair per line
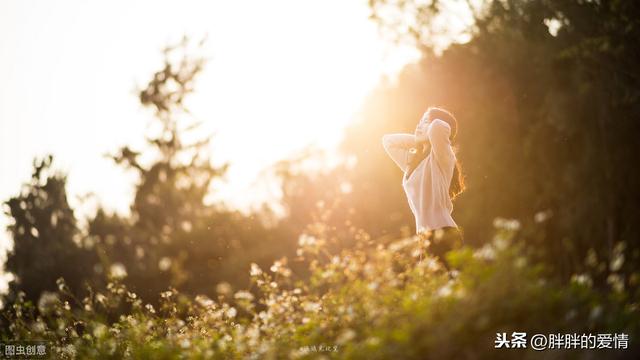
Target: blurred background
x,y
174,144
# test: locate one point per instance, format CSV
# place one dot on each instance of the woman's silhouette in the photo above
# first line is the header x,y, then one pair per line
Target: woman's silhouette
x,y
432,177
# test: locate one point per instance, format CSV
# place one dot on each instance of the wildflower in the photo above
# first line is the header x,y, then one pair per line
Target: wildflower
x,y
101,299
582,279
305,239
311,306
47,301
231,312
286,272
255,270
616,263
514,225
118,271
204,301
150,308
486,252
507,224
328,273
264,316
61,284
276,266
70,351
243,295
39,327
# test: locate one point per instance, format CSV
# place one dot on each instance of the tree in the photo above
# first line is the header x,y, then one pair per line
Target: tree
x,y
547,95
47,243
173,237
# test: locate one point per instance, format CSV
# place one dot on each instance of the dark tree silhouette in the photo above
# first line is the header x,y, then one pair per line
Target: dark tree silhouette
x,y
47,243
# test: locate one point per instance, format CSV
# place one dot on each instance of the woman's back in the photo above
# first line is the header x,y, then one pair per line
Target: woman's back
x,y
427,187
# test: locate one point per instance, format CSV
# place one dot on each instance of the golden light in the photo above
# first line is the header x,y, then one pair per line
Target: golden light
x,y
281,75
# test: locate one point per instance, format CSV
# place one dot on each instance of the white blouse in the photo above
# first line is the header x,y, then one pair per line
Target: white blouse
x,y
427,187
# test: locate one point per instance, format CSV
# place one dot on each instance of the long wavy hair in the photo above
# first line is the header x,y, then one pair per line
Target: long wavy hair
x,y
457,181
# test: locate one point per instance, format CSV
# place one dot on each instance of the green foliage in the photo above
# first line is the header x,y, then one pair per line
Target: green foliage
x,y
371,303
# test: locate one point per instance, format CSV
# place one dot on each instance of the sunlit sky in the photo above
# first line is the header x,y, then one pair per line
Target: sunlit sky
x,y
282,75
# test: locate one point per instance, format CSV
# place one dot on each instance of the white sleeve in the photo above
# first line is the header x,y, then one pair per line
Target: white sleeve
x,y
438,134
397,147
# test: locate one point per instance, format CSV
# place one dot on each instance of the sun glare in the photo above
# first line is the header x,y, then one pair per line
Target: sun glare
x,y
282,75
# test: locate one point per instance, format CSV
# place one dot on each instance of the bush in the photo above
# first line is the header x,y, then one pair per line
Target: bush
x,y
382,302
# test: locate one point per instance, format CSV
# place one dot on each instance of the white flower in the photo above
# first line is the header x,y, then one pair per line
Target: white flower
x,y
616,263
47,301
305,239
582,279
70,350
118,271
231,312
243,295
38,327
486,252
311,306
204,300
276,266
150,308
507,224
264,316
255,270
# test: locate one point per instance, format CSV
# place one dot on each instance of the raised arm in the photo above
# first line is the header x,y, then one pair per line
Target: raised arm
x,y
438,134
397,147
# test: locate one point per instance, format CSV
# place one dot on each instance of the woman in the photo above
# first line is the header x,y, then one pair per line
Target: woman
x,y
432,177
